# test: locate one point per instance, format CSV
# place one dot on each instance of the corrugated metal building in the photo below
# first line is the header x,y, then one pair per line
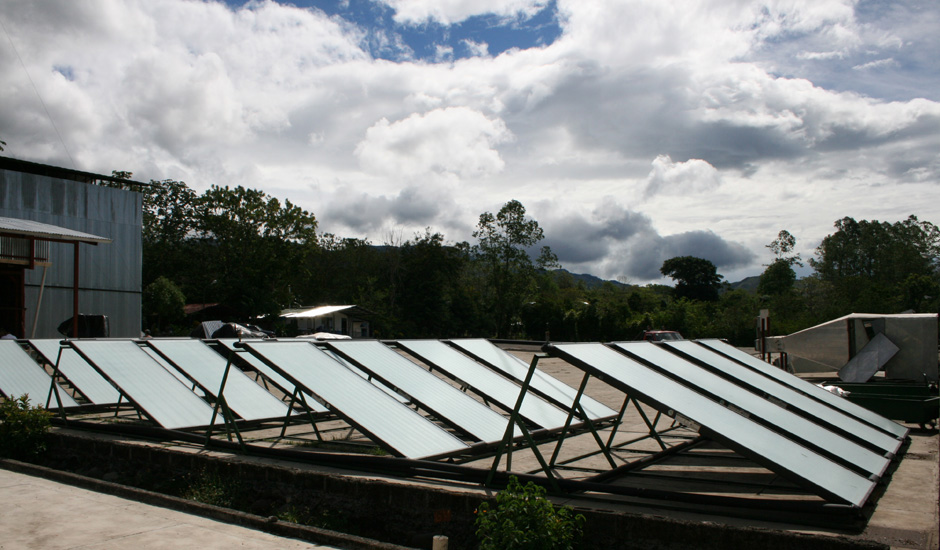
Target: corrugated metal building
x,y
109,275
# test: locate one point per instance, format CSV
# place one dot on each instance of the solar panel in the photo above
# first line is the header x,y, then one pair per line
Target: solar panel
x,y
270,374
430,392
170,369
246,398
755,406
803,386
363,405
486,352
493,386
78,372
792,398
149,386
399,397
746,437
20,374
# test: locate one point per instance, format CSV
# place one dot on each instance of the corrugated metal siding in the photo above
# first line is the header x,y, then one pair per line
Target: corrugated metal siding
x,y
110,274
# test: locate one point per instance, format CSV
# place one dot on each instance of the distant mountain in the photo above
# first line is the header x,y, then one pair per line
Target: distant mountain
x,y
590,281
749,284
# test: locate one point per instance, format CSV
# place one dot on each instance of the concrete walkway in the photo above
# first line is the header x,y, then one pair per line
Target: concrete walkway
x,y
39,513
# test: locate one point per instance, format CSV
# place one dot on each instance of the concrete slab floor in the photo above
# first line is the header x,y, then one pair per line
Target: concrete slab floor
x,y
43,514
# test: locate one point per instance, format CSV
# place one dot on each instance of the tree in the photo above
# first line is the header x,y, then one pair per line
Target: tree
x,y
256,247
865,264
779,277
696,278
503,259
163,301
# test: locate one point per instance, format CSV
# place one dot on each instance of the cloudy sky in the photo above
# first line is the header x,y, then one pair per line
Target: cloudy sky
x,y
632,130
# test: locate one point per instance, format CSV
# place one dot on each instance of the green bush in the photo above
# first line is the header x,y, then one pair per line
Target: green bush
x,y
211,487
22,429
524,519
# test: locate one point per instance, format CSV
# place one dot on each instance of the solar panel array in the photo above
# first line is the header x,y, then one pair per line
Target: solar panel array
x,y
360,403
800,385
488,383
152,389
243,395
430,392
20,374
78,372
793,435
495,357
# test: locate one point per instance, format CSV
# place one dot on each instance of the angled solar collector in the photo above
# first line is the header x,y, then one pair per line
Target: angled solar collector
x,y
369,409
20,374
270,374
78,372
746,437
791,397
427,390
150,387
488,353
834,401
242,395
784,420
492,386
397,396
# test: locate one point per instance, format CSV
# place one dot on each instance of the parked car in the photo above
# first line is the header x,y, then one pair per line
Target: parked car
x,y
661,335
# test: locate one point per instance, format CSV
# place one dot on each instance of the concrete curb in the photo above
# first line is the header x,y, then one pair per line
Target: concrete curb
x,y
269,525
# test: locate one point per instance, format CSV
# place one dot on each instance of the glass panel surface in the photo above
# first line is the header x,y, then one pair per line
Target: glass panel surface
x,y
245,397
757,406
272,375
430,392
158,394
492,386
20,374
734,430
791,397
363,405
487,352
82,375
803,386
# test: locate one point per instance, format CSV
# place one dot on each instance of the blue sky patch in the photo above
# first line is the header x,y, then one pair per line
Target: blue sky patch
x,y
431,40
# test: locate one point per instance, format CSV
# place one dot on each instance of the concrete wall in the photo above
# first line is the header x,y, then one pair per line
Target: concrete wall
x,y
110,274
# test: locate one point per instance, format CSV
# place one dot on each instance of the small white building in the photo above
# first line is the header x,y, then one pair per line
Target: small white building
x,y
349,321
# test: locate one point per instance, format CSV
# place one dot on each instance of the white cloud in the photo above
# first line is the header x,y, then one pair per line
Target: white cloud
x,y
477,49
453,140
877,64
690,177
447,12
757,101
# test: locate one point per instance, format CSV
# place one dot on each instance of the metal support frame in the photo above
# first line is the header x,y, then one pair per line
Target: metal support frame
x,y
227,415
515,419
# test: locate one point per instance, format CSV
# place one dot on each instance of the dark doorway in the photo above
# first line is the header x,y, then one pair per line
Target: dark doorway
x,y
13,299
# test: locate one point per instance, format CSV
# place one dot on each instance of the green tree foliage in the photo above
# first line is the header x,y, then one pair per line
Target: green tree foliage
x,y
696,278
524,519
23,429
237,246
866,266
502,259
164,301
779,277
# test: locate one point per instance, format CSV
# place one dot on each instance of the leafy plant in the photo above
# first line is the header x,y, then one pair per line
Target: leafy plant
x,y
215,489
524,519
23,429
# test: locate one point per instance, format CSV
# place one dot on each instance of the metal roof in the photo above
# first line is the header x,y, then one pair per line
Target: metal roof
x,y
45,231
317,311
